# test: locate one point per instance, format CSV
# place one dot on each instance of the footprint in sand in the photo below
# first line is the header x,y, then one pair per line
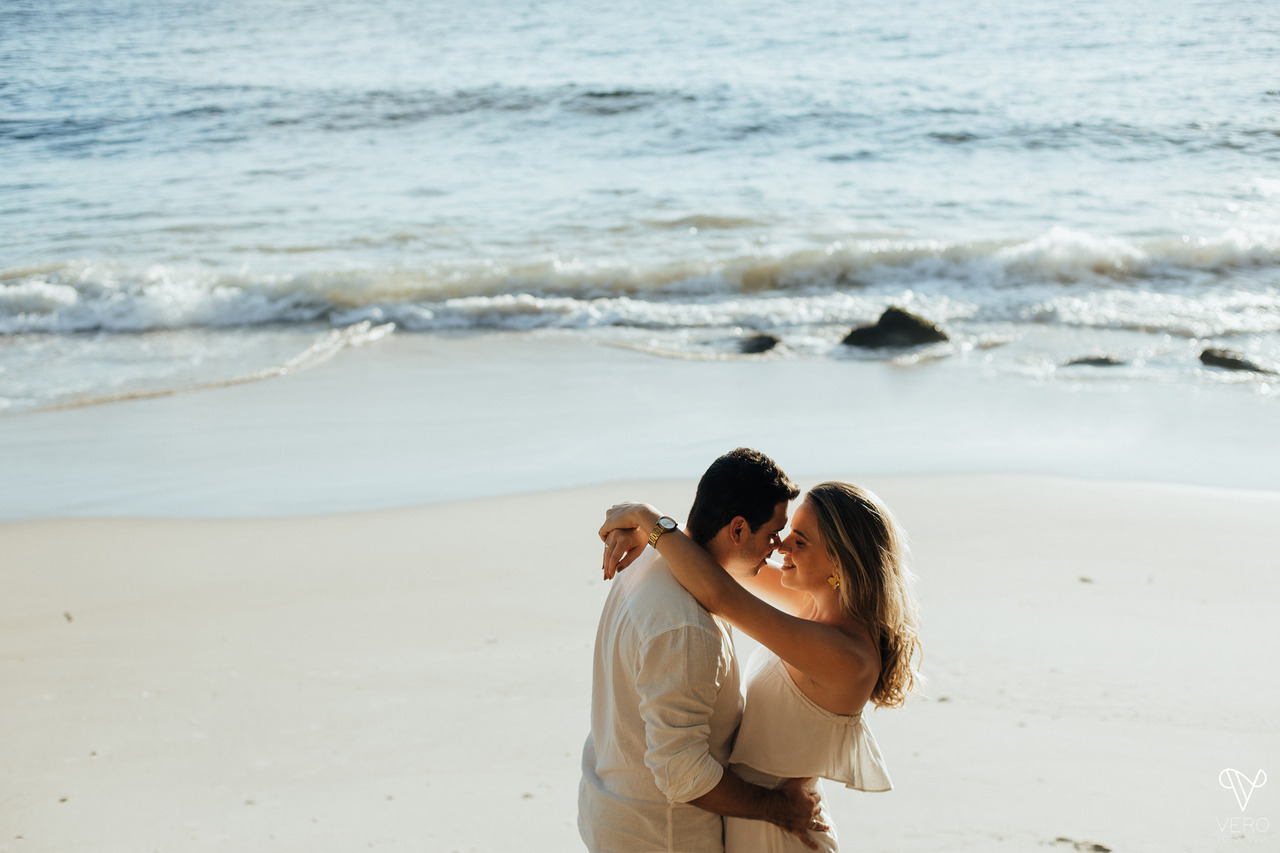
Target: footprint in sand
x,y
1085,846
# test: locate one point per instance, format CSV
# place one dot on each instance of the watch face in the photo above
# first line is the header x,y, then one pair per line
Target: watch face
x,y
664,525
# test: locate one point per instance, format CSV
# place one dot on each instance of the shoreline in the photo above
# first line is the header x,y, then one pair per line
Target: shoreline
x,y
401,678
416,420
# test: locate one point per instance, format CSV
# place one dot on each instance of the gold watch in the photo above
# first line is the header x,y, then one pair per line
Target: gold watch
x,y
664,525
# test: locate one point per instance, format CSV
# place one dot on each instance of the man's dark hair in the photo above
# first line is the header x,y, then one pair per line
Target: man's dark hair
x,y
743,482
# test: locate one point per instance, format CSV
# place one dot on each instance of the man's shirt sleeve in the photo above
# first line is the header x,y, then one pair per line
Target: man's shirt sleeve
x,y
678,679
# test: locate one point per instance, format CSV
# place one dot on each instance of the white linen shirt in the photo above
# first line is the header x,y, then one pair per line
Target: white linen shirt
x,y
665,705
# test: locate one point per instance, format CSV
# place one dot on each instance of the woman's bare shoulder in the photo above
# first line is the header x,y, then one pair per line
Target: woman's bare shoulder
x,y
844,684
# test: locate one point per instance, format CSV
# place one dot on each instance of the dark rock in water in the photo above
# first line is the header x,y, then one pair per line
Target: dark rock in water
x,y
1095,361
896,328
1231,361
757,343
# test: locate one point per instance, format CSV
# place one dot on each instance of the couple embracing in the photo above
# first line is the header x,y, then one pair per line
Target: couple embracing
x,y
676,760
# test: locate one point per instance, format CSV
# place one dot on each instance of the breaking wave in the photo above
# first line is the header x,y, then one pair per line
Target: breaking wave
x,y
1187,285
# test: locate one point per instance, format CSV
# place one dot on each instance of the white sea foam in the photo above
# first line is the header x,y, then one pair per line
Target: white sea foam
x,y
1227,313
1029,306
1191,285
78,370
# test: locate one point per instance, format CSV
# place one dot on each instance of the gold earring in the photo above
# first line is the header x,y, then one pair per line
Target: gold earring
x,y
834,580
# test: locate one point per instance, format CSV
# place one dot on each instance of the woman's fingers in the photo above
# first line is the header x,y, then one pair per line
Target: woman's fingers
x,y
610,541
625,535
629,558
619,552
621,547
610,556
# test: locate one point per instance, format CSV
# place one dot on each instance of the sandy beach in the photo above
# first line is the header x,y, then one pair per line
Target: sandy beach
x,y
1097,650
405,680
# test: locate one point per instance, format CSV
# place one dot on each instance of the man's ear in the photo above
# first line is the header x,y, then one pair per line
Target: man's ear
x,y
738,528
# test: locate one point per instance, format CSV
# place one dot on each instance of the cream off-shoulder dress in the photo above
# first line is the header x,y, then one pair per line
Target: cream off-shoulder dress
x,y
785,735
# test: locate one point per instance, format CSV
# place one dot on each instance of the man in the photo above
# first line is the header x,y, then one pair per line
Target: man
x,y
665,694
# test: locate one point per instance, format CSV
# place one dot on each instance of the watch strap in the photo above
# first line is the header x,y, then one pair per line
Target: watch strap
x,y
661,528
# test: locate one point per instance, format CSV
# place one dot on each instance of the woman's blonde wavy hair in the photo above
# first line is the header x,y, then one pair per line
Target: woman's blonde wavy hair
x,y
876,584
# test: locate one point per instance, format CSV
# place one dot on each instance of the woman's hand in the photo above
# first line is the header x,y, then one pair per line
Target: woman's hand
x,y
625,533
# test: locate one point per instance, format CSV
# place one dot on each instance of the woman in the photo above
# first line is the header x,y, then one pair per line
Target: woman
x,y
840,628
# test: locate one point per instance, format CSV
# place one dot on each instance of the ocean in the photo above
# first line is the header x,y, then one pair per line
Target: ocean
x,y
196,193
